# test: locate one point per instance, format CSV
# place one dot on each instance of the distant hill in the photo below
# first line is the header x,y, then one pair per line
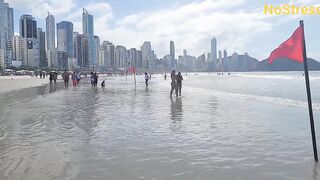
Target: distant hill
x,y
285,64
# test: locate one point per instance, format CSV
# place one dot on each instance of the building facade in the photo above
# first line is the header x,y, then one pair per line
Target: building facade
x,y
28,33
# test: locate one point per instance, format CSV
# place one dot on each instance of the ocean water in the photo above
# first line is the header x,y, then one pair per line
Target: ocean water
x,y
238,126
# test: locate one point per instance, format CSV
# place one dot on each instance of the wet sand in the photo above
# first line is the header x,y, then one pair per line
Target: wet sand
x,y
51,132
11,83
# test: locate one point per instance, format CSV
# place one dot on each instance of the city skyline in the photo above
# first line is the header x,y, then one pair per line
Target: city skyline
x,y
181,22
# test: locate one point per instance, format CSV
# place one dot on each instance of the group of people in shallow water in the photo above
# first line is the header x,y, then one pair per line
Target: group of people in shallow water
x,y
176,80
94,79
53,76
75,77
41,74
176,83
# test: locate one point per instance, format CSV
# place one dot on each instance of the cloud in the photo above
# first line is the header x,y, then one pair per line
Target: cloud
x,y
39,8
191,26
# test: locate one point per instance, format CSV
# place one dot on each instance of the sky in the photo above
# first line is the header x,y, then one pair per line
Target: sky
x,y
238,25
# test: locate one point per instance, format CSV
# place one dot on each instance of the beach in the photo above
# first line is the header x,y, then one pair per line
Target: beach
x,y
238,126
11,83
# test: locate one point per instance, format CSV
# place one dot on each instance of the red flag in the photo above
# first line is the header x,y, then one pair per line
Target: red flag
x,y
291,48
131,70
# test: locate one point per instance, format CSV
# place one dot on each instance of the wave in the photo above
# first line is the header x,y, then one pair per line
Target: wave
x,y
284,77
266,99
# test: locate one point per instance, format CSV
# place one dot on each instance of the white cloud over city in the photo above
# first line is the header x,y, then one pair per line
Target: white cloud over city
x,y
190,26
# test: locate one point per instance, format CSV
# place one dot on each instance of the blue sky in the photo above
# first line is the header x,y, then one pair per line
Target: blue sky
x,y
238,25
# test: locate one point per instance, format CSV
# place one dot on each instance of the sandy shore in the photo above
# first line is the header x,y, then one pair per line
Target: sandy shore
x,y
10,83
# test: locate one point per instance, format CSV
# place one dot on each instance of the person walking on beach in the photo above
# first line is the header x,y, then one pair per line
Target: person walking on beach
x,y
179,82
173,83
65,77
55,77
92,79
51,77
146,78
74,79
78,77
95,79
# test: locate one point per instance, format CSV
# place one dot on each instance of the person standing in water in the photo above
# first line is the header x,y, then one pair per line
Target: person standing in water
x,y
55,77
74,79
103,84
95,79
78,77
65,77
179,82
146,78
165,76
92,79
173,83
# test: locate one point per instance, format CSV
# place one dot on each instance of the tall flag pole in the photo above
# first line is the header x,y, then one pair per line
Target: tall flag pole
x,y
294,49
306,73
134,76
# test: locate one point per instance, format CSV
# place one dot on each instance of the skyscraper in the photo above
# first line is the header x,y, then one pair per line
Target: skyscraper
x,y
42,48
173,64
109,55
28,33
139,59
225,56
147,56
65,38
64,43
120,53
133,57
6,34
214,50
88,30
81,50
184,53
220,57
18,48
97,47
50,32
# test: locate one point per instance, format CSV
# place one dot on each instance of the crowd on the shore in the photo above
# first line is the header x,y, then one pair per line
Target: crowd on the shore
x,y
176,80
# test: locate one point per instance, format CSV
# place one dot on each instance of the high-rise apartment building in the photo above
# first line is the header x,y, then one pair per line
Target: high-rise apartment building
x,y
28,33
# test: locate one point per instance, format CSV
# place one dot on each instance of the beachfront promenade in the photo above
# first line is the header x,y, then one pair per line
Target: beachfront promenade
x,y
52,132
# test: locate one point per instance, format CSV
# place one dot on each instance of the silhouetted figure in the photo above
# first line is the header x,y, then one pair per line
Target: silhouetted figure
x,y
51,77
92,79
165,76
95,79
103,84
74,79
173,83
55,77
146,78
65,76
179,83
78,77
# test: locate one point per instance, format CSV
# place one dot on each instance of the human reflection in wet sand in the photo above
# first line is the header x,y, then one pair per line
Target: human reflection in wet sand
x,y
176,114
53,87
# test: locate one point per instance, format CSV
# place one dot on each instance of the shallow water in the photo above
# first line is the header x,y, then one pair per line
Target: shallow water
x,y
242,126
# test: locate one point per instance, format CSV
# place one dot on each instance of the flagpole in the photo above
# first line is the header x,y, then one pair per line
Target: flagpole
x,y
134,76
306,75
